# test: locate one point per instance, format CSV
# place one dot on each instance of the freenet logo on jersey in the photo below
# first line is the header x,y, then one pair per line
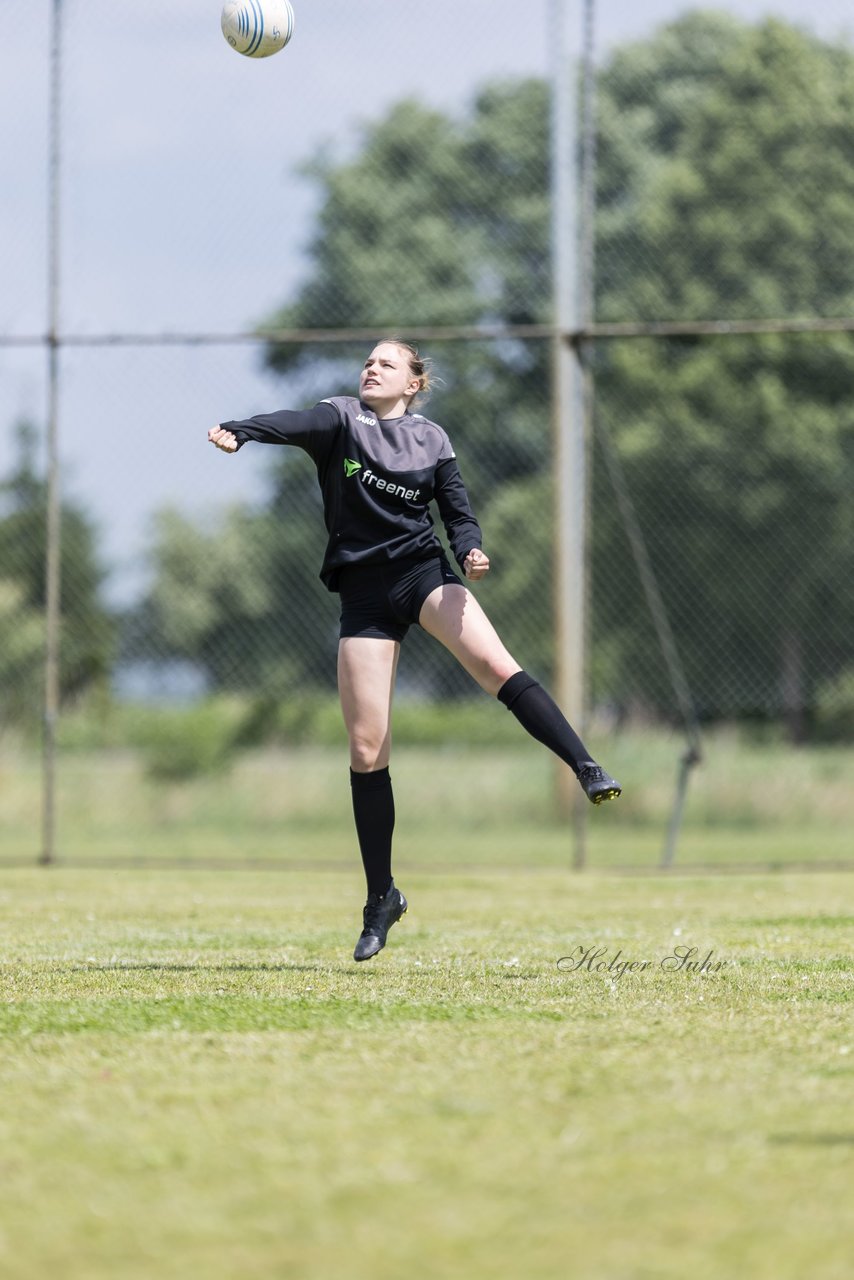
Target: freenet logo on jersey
x,y
369,477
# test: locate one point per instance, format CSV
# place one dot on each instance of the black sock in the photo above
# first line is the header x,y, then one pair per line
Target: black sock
x,y
538,712
373,809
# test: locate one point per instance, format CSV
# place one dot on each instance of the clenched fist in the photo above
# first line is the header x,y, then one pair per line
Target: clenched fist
x,y
476,565
225,440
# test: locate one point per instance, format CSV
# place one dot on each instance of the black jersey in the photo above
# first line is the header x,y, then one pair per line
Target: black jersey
x,y
377,477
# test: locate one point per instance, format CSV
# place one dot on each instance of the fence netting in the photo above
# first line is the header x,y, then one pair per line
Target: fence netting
x,y
377,176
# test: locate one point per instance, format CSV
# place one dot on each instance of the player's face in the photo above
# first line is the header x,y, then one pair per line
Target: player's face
x,y
386,376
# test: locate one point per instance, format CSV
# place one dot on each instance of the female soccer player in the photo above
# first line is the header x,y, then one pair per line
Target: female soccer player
x,y
379,464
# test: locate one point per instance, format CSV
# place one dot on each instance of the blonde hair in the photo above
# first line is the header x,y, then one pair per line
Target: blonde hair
x,y
421,367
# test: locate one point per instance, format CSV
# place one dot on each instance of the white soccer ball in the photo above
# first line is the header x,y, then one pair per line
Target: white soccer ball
x,y
257,28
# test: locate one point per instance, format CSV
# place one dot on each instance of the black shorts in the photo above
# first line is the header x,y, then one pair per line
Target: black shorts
x,y
384,600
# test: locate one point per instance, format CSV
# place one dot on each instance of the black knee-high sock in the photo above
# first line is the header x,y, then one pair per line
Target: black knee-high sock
x,y
373,809
538,712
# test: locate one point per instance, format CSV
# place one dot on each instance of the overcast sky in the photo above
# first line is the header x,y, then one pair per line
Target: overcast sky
x,y
182,211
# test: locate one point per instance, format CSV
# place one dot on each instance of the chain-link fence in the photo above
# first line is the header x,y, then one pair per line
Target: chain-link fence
x,y
392,172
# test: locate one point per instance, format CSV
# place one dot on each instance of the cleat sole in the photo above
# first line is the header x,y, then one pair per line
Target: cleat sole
x,y
607,795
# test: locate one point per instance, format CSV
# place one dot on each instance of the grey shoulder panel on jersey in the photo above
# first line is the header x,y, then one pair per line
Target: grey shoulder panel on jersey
x,y
411,443
336,402
447,450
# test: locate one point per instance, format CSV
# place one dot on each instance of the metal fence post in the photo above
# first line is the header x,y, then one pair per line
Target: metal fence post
x,y
568,408
54,513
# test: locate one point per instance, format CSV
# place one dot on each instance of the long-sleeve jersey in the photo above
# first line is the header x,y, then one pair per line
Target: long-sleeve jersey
x,y
377,477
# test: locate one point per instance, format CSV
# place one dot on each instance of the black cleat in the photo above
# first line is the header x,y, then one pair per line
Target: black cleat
x,y
596,783
379,915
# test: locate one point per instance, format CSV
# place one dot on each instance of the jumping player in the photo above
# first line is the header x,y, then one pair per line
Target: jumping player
x,y
379,464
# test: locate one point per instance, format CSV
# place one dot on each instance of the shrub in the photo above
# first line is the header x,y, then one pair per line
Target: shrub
x,y
188,742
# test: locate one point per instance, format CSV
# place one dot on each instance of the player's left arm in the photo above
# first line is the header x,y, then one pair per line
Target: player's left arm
x,y
461,526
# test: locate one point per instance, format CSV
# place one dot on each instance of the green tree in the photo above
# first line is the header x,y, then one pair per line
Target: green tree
x,y
87,629
727,190
21,654
239,597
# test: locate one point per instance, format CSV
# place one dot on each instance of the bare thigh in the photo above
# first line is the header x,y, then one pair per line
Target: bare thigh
x,y
366,672
453,615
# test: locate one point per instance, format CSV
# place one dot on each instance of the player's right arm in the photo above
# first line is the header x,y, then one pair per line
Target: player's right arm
x,y
309,429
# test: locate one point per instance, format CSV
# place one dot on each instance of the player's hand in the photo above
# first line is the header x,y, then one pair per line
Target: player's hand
x,y
476,565
225,440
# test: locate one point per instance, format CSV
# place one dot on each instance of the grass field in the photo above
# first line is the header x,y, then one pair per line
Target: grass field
x,y
196,1080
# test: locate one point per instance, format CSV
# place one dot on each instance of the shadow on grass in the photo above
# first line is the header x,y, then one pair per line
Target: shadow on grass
x,y
154,967
812,1139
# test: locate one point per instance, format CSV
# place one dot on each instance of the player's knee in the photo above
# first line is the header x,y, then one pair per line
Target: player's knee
x,y
491,675
497,672
368,751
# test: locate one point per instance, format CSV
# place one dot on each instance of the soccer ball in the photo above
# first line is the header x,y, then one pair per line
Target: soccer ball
x,y
257,28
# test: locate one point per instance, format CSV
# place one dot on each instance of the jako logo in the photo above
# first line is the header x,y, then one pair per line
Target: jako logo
x,y
351,467
369,422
